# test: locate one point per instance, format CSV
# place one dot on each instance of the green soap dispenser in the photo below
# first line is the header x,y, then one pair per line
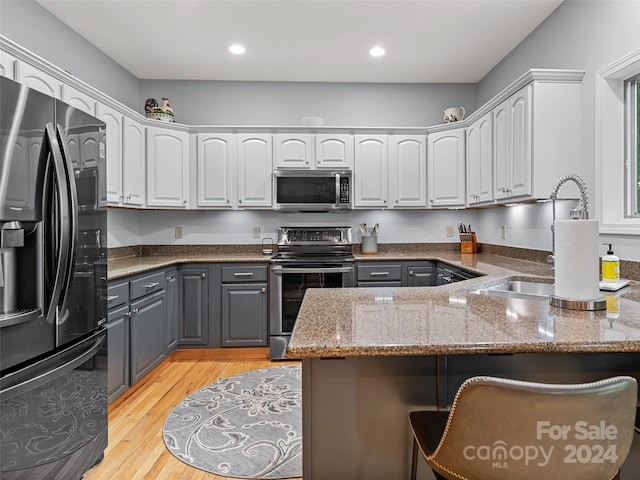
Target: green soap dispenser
x,y
610,265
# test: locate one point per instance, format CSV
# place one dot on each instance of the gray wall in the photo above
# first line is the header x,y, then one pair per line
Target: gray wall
x,y
285,103
585,35
33,27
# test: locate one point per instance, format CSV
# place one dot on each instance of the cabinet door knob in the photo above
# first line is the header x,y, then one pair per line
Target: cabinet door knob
x,y
411,272
263,290
203,275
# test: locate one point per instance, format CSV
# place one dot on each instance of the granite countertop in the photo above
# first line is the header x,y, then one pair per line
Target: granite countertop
x,y
123,267
448,319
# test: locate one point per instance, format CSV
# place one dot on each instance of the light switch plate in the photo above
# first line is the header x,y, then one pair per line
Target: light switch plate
x,y
449,230
178,232
256,231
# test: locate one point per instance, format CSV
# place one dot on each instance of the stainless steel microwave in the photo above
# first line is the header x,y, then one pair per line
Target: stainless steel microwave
x,y
313,190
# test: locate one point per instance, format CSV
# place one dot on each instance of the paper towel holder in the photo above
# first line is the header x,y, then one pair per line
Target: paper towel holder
x,y
576,214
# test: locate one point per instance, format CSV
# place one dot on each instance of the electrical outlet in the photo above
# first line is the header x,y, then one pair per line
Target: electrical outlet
x,y
449,230
178,232
256,231
504,231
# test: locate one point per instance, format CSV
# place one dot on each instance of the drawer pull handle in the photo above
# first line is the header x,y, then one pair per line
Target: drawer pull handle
x,y
379,274
111,298
414,274
243,274
151,285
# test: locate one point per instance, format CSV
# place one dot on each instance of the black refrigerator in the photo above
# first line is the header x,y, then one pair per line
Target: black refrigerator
x,y
53,283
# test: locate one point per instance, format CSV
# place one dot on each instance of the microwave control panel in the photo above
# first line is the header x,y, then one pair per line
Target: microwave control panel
x,y
344,190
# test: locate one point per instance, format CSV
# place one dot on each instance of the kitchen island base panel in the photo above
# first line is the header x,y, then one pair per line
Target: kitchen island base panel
x,y
355,410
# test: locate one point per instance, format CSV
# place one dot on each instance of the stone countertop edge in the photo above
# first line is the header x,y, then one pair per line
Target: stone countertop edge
x,y
124,267
448,319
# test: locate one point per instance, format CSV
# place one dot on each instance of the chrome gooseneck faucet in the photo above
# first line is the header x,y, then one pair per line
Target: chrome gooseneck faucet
x,y
577,214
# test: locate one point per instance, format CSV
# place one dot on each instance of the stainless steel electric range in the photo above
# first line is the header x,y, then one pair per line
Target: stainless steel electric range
x,y
308,257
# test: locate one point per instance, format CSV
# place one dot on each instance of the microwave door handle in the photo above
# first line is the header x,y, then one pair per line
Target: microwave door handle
x,y
62,274
337,189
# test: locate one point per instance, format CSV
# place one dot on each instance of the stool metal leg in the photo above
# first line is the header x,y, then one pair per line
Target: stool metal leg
x,y
414,460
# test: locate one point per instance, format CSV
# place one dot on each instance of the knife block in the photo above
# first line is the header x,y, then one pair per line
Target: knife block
x,y
468,243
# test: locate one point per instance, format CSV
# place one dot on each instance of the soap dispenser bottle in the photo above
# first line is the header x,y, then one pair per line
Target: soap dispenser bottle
x,y
610,265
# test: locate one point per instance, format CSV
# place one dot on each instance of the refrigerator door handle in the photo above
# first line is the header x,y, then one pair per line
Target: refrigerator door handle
x,y
58,371
67,241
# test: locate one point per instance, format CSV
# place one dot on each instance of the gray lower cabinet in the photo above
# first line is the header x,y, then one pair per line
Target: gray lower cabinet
x,y
244,306
172,297
374,274
118,371
193,292
420,275
147,334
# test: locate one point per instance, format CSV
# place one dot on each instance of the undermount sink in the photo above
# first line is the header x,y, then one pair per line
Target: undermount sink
x,y
518,289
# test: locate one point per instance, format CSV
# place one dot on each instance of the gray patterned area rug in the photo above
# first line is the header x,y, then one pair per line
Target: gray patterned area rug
x,y
245,426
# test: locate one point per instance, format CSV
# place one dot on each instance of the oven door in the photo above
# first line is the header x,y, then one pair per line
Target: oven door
x,y
288,285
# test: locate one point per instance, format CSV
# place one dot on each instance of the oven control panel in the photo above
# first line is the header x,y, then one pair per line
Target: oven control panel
x,y
314,235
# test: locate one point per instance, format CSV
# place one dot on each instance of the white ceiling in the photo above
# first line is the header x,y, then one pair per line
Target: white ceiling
x,y
449,41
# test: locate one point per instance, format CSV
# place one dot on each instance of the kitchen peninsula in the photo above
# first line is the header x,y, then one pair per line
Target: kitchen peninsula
x,y
372,355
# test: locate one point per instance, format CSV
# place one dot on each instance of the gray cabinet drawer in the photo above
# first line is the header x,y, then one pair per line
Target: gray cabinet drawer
x,y
117,295
244,274
146,285
379,272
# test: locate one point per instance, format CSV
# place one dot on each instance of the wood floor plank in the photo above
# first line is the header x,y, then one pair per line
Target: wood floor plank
x,y
136,448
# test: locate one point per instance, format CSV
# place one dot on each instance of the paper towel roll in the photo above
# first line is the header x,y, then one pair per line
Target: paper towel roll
x,y
576,259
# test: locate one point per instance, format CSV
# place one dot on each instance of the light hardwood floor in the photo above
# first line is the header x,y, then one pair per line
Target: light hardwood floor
x,y
136,449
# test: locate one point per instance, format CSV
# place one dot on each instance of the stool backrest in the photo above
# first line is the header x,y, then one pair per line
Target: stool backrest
x,y
506,429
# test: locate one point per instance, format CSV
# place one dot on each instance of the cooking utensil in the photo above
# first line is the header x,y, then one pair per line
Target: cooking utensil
x,y
363,229
376,229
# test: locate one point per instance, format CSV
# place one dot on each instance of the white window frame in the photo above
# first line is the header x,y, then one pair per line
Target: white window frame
x,y
613,147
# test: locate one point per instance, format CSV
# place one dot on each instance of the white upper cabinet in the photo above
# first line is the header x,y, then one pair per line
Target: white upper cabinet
x,y
134,158
113,120
293,151
255,171
8,65
334,151
480,160
307,151
167,167
512,125
370,171
407,171
217,157
446,168
34,78
78,99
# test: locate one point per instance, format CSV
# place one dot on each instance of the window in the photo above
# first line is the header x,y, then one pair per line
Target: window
x,y
632,127
618,147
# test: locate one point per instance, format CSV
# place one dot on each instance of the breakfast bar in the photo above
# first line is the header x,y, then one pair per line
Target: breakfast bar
x,y
372,355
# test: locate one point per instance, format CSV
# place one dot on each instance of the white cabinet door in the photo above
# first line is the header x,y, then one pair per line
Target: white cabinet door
x,y
407,171
480,160
78,99
446,168
520,126
8,65
38,80
293,151
216,160
334,151
113,120
512,133
255,170
133,163
370,171
167,167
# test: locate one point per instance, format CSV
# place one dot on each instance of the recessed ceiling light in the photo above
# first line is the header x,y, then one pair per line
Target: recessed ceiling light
x,y
377,51
236,49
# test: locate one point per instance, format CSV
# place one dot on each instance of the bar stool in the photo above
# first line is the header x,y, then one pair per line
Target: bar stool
x,y
501,429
